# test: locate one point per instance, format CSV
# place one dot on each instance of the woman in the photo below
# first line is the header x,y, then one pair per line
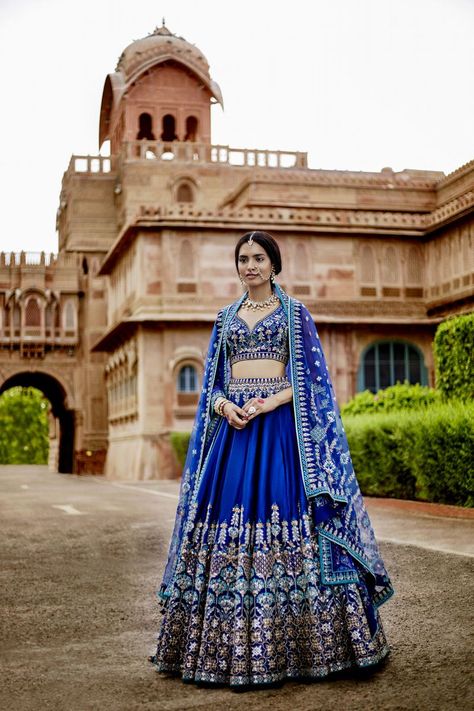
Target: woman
x,y
273,570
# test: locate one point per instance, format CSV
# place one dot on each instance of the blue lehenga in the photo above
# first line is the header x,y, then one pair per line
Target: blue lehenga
x,y
264,582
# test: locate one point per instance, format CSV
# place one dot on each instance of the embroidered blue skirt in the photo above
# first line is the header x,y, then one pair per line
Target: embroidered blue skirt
x,y
248,605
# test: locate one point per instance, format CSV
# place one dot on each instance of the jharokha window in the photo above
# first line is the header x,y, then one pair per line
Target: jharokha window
x,y
169,128
145,128
32,312
191,129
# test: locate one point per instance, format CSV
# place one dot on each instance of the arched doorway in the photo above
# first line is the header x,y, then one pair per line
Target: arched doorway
x,y
55,392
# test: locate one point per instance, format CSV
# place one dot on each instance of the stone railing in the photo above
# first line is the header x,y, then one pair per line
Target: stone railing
x,y
188,152
90,164
40,259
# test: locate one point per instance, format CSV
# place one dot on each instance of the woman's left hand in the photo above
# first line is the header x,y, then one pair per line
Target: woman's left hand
x,y
261,405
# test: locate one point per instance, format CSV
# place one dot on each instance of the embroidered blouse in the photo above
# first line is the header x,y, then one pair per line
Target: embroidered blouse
x,y
268,338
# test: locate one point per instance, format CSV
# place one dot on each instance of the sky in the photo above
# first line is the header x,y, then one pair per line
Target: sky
x,y
358,84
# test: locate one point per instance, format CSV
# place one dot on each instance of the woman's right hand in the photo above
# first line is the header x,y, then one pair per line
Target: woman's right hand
x,y
235,416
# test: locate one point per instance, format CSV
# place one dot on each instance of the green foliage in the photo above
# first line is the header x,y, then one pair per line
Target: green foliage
x,y
454,357
426,454
396,397
23,427
179,442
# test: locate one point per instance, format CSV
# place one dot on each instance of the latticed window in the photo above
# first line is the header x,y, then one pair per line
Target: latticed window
x,y
367,265
388,362
32,312
187,379
69,316
390,266
414,266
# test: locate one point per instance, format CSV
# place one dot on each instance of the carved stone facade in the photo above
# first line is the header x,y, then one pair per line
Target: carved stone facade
x,y
379,258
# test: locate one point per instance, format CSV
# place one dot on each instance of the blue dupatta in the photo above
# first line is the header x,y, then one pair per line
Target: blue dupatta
x,y
343,527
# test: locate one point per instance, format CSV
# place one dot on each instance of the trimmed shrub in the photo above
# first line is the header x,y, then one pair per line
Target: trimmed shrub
x,y
425,454
24,426
454,357
179,442
396,397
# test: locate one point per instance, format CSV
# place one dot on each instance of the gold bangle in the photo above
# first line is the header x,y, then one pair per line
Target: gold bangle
x,y
217,404
222,405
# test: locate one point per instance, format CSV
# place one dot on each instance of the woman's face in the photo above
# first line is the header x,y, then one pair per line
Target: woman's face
x,y
254,264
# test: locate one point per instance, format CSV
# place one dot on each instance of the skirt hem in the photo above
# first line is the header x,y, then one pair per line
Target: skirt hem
x,y
262,679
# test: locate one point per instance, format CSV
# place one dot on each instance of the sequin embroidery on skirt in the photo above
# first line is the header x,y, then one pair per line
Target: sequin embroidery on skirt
x,y
247,605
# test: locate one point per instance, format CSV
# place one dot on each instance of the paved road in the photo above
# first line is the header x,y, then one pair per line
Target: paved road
x,y
81,558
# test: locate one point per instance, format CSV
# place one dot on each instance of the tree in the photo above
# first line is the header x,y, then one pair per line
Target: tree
x,y
23,426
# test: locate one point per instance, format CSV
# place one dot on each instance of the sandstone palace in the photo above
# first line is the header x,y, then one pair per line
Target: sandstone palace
x,y
114,328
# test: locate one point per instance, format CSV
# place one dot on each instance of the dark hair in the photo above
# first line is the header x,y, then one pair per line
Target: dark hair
x,y
266,241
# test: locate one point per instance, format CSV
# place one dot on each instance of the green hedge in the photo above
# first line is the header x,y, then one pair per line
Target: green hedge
x,y
454,357
179,442
396,397
425,454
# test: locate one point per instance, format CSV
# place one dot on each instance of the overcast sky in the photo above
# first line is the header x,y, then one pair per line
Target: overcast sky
x,y
359,84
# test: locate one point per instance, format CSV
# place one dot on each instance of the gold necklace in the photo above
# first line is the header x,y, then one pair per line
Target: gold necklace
x,y
259,305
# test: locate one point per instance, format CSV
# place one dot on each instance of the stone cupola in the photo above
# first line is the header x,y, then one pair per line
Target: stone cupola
x,y
161,90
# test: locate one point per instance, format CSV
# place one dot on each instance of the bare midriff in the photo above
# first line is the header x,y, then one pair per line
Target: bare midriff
x,y
258,368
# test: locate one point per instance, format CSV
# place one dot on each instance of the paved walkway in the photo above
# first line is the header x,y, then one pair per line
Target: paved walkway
x,y
82,557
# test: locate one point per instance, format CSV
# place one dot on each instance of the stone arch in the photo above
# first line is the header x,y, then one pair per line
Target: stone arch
x,y
168,125
184,189
192,127
59,395
186,358
145,127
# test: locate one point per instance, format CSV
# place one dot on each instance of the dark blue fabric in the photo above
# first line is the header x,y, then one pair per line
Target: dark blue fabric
x,y
254,467
324,462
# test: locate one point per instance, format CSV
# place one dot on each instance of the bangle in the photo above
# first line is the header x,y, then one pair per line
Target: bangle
x,y
217,403
222,404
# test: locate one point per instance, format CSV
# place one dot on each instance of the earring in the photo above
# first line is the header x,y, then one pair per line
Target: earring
x,y
272,275
244,285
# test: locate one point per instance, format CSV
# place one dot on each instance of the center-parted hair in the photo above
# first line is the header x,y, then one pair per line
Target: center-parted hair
x,y
266,241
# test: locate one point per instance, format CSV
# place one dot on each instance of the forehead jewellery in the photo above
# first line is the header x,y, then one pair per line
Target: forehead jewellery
x,y
250,239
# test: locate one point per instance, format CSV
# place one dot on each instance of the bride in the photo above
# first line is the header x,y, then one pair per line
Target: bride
x,y
273,570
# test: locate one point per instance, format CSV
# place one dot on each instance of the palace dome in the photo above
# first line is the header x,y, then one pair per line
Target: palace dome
x,y
159,47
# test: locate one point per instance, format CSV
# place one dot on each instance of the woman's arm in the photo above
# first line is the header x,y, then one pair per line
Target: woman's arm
x,y
268,404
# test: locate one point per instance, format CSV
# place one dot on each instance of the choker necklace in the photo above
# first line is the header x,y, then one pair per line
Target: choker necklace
x,y
259,305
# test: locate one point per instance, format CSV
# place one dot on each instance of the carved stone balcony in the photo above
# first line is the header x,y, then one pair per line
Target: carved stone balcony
x,y
187,152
